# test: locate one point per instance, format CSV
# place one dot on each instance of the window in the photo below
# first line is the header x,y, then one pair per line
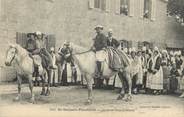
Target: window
x,y
100,4
147,9
125,44
97,3
150,9
146,44
124,6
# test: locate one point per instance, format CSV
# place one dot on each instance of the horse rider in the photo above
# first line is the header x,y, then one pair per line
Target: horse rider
x,y
66,54
99,46
115,58
41,50
30,45
112,42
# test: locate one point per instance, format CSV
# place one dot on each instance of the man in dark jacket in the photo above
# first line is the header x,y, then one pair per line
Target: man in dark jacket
x,y
111,41
100,43
115,58
30,45
42,51
66,56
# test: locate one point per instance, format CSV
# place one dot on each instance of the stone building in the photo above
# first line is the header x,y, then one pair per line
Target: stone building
x,y
134,21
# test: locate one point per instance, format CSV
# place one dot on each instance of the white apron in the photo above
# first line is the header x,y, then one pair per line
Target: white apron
x,y
156,81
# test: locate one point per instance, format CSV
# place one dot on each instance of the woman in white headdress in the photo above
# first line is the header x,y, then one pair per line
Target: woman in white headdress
x,y
139,81
181,82
149,71
155,69
166,71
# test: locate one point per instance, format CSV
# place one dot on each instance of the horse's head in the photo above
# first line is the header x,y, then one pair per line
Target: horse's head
x,y
10,55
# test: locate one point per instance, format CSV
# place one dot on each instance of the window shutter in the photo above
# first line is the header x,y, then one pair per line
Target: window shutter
x,y
129,44
17,37
141,8
131,8
103,5
153,9
108,4
91,4
21,39
117,5
24,40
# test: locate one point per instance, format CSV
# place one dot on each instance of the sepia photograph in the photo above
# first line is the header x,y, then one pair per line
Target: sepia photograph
x,y
92,58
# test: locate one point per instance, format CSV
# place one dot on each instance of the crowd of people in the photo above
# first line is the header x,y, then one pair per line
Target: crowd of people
x,y
158,71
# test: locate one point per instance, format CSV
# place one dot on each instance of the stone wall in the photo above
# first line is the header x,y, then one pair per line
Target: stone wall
x,y
73,20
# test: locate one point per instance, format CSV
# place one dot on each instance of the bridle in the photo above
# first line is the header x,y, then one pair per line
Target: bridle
x,y
15,55
12,58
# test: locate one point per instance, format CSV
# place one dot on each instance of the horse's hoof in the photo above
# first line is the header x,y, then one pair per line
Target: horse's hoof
x,y
32,100
89,102
129,98
47,93
16,99
181,96
120,97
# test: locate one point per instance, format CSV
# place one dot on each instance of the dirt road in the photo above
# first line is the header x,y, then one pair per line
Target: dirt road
x,y
71,98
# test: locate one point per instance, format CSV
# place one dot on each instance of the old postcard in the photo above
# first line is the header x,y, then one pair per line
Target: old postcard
x,y
92,58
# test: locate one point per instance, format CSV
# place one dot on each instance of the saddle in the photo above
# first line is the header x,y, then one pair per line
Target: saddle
x,y
117,59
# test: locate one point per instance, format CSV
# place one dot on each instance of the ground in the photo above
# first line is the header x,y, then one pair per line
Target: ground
x,y
68,99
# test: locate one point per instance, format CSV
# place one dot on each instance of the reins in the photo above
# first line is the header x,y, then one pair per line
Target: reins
x,y
82,52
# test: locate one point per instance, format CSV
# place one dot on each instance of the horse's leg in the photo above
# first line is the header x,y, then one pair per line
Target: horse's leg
x,y
129,80
19,82
122,93
31,88
90,88
49,78
59,73
43,76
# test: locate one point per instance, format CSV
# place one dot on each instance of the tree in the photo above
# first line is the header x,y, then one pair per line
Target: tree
x,y
176,8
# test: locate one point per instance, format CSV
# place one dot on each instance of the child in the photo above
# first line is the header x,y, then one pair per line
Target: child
x,y
53,72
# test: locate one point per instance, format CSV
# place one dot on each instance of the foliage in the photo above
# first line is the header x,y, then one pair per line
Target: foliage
x,y
176,8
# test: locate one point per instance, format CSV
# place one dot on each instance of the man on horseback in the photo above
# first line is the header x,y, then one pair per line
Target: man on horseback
x,y
37,49
41,50
30,45
113,52
112,42
99,46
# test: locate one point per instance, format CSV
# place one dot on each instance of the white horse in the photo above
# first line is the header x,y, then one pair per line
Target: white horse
x,y
23,63
85,59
